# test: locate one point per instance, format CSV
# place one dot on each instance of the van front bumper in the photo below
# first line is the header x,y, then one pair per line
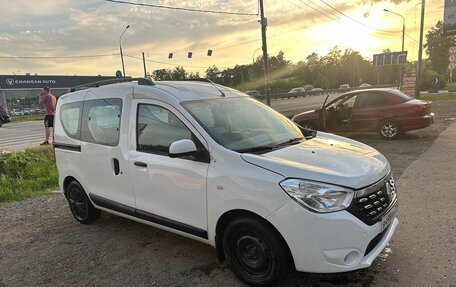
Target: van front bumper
x,y
331,242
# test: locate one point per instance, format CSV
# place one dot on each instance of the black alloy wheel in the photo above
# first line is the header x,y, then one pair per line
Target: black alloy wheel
x,y
255,253
80,205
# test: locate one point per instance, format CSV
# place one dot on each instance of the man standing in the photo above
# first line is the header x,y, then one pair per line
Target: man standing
x,y
49,102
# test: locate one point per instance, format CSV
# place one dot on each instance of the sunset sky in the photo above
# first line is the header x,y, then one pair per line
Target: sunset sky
x,y
59,28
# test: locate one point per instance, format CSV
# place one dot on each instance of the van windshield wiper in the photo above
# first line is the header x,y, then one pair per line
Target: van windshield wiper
x,y
257,149
266,148
290,142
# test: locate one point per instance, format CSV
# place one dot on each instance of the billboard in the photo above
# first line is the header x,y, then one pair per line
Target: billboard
x,y
15,82
394,58
449,17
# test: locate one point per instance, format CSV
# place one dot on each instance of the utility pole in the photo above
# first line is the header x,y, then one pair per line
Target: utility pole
x,y
420,53
264,24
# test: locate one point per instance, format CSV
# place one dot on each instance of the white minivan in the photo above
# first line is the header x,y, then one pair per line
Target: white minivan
x,y
210,163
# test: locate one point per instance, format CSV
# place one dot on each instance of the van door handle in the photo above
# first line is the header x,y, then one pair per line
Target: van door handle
x,y
140,164
116,166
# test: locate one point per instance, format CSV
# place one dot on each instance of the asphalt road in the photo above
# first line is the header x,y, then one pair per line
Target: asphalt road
x,y
18,136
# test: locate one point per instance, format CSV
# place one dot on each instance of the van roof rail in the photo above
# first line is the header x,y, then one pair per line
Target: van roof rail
x,y
141,81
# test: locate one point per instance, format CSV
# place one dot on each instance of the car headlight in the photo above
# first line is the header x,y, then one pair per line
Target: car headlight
x,y
317,196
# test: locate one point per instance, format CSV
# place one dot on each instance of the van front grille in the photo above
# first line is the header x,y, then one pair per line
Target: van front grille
x,y
371,203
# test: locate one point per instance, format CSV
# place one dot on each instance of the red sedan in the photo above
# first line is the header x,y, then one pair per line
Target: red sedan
x,y
386,111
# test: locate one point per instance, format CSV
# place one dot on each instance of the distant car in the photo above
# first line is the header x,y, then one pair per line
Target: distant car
x,y
297,90
316,90
4,116
344,86
253,93
27,111
365,85
17,112
308,87
386,111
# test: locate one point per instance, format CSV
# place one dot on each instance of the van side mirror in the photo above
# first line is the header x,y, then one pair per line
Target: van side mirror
x,y
182,148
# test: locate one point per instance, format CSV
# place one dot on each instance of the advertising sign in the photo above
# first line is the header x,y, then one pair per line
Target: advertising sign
x,y
15,82
449,20
408,83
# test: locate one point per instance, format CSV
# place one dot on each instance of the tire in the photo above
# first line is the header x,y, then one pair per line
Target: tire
x,y
1,122
255,252
389,129
80,205
308,125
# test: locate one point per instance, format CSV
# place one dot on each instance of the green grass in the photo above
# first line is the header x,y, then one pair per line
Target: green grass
x,y
25,118
438,97
27,174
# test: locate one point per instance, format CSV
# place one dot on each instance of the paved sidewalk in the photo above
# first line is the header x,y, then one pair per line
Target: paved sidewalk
x,y
424,247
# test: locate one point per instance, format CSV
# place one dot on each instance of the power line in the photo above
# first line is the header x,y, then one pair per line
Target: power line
x,y
164,63
353,19
322,8
318,11
58,57
182,8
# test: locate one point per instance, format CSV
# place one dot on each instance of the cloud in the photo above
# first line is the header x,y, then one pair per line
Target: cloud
x,y
55,27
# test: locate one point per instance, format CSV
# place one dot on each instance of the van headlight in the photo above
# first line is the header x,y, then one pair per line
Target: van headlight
x,y
317,196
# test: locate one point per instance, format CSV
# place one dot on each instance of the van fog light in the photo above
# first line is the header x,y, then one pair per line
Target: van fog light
x,y
351,258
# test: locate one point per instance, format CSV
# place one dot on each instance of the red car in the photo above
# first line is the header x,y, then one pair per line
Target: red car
x,y
386,111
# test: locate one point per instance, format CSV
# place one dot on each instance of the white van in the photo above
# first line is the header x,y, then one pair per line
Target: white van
x,y
210,163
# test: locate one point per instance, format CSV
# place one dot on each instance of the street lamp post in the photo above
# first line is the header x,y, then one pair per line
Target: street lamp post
x,y
403,37
403,25
120,46
253,57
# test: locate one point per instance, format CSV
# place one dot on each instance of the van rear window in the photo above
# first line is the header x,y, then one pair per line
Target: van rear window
x,y
70,117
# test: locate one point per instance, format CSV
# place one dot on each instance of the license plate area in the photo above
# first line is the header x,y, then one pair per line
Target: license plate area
x,y
389,217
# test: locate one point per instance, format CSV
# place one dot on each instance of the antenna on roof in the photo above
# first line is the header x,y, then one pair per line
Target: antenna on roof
x,y
208,81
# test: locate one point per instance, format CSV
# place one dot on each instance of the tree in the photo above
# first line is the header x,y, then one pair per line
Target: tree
x,y
437,48
162,75
212,73
179,73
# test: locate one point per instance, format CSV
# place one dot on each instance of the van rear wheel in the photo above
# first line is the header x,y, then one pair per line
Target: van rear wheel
x,y
80,205
255,252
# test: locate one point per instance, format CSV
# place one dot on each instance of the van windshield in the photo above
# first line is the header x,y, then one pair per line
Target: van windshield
x,y
244,124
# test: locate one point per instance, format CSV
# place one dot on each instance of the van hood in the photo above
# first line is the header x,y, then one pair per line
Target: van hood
x,y
326,158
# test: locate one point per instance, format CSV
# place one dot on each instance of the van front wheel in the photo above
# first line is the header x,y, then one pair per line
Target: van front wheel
x,y
80,205
255,252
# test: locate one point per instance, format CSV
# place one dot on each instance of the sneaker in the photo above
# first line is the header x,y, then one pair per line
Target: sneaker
x,y
44,143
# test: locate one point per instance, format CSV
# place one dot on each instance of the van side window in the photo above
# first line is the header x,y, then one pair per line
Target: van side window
x,y
101,121
70,116
157,128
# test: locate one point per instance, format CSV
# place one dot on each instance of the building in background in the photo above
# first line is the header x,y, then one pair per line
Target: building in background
x,y
23,91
